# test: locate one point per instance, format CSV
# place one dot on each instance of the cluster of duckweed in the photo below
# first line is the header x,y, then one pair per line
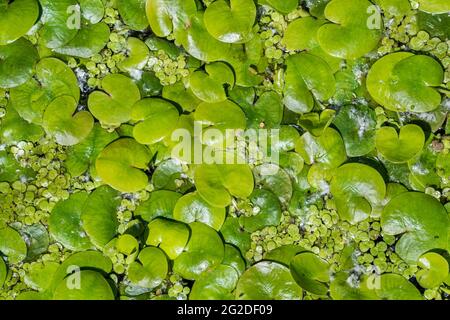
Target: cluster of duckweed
x,y
168,69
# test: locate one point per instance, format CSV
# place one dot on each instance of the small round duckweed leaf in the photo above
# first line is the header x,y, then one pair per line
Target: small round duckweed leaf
x,y
92,287
191,207
421,230
230,22
170,236
137,56
65,223
354,31
83,155
233,233
133,13
53,79
400,148
122,164
16,19
161,203
99,215
268,280
434,270
328,149
151,269
12,245
283,6
358,189
113,105
357,125
216,284
316,123
17,61
403,81
208,86
396,287
217,184
307,78
311,272
61,121
204,251
3,271
265,211
156,119
434,6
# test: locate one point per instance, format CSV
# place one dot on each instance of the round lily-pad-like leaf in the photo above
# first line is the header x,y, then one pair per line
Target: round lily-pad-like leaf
x,y
311,272
217,184
191,207
434,270
15,129
284,254
204,251
53,79
137,56
113,105
61,121
328,149
268,280
133,13
230,22
65,223
394,7
358,190
307,78
216,284
434,6
400,148
233,233
12,245
266,210
99,216
16,19
421,230
170,236
10,169
93,286
151,269
233,258
156,119
354,31
344,286
316,123
395,287
181,95
3,271
209,85
357,125
39,276
403,81
122,164
17,61
161,203
275,179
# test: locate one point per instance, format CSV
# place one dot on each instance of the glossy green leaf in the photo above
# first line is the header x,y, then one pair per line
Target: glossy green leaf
x,y
434,270
15,129
275,179
233,233
161,203
216,284
311,272
16,19
40,275
37,239
284,254
316,123
396,287
12,245
3,272
92,287
151,269
434,6
171,236
133,13
137,56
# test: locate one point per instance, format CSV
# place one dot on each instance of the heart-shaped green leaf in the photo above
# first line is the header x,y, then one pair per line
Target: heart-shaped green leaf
x,y
311,272
284,254
434,6
421,230
215,284
268,281
161,203
307,78
133,13
170,236
204,251
17,61
217,184
65,223
93,286
191,207
151,269
404,82
316,123
434,270
122,164
233,258
181,95
354,31
344,287
358,190
53,79
394,7
357,125
15,129
156,119
67,127
275,179
16,19
113,105
395,287
12,245
39,276
233,233
400,148
230,22
137,56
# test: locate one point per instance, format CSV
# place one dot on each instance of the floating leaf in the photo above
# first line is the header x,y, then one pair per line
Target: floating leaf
x,y
434,6
403,81
396,287
92,287
12,245
113,106
233,233
434,270
233,258
151,269
37,240
39,276
268,281
122,163
275,179
400,148
137,56
133,13
170,236
343,286
15,129
10,170
181,95
160,204
3,272
311,272
215,284
16,19
230,22
420,230
316,123
284,254
191,207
